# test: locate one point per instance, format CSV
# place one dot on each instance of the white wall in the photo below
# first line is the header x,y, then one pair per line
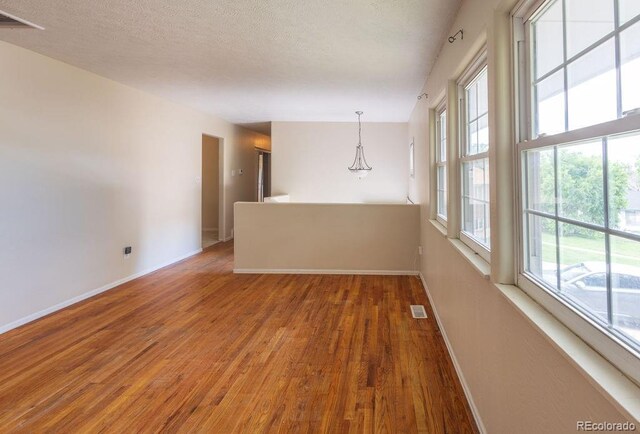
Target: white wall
x,y
88,166
313,237
518,379
310,160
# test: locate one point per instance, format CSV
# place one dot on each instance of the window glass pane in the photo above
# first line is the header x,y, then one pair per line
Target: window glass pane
x,y
443,136
587,21
583,269
483,133
628,9
483,94
472,138
476,179
624,182
476,221
475,200
472,100
487,229
580,182
542,253
630,66
547,33
625,286
477,121
485,180
412,161
442,191
540,194
592,87
549,94
441,204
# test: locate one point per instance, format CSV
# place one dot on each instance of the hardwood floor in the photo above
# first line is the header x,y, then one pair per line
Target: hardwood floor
x,y
195,348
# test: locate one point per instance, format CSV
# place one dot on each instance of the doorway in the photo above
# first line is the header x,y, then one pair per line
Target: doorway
x,y
264,174
211,190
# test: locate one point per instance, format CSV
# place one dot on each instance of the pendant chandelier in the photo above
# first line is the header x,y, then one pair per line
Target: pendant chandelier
x,y
360,168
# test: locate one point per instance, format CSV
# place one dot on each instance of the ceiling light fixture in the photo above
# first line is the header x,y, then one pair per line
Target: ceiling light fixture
x,y
360,167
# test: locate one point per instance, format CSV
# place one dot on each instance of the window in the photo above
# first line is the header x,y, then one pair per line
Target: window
x,y
441,165
580,167
475,229
412,160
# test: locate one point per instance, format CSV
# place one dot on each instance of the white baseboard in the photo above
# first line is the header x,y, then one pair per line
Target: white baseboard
x,y
227,239
34,316
324,271
456,365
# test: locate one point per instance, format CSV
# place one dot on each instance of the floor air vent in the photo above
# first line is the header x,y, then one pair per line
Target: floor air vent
x,y
8,21
417,311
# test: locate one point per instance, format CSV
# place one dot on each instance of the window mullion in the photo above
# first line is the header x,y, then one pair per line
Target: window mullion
x,y
607,240
555,188
618,60
462,139
565,70
620,234
521,65
626,235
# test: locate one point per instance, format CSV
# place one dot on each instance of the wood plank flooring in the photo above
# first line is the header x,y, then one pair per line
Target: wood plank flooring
x,y
195,348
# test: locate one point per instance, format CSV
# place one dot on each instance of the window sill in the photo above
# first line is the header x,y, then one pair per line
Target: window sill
x,y
440,227
482,266
613,384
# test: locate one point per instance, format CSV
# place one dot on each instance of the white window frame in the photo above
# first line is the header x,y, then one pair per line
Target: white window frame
x,y
613,346
440,109
476,67
412,159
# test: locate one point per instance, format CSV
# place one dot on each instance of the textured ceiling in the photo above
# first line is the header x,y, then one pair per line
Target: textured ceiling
x,y
250,61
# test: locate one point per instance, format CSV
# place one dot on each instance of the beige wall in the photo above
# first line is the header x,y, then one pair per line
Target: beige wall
x,y
210,182
519,381
310,161
326,237
89,166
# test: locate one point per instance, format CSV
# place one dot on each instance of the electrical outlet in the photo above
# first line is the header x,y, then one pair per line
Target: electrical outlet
x,y
233,172
419,250
127,251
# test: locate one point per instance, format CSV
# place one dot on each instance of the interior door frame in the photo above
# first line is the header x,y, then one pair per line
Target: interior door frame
x,y
221,189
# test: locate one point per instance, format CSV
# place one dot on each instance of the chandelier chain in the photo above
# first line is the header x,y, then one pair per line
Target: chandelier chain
x,y
359,129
